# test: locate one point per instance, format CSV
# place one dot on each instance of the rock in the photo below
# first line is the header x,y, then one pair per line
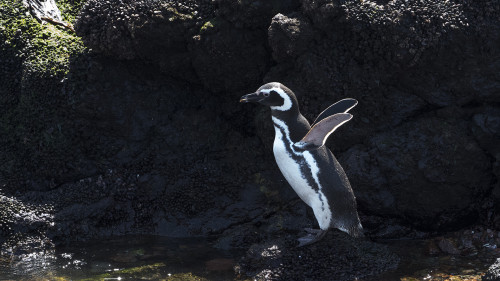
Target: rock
x,y
493,273
158,32
486,130
324,12
350,259
448,246
24,232
253,14
496,196
382,173
185,39
230,59
432,249
289,37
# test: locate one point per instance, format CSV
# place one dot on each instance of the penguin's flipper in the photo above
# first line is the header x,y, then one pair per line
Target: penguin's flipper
x,y
342,106
318,134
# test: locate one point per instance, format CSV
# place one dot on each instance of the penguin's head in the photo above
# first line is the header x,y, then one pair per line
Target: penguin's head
x,y
274,95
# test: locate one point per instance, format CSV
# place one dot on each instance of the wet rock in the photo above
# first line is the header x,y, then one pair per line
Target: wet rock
x,y
336,257
389,228
219,264
24,231
170,226
493,273
448,246
432,248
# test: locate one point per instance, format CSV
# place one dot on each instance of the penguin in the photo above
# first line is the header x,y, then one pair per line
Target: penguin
x,y
307,164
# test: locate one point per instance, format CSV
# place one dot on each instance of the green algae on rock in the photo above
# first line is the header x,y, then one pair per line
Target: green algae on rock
x,y
156,271
150,271
38,58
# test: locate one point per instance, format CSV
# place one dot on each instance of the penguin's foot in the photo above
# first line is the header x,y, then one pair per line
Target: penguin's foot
x,y
314,236
312,230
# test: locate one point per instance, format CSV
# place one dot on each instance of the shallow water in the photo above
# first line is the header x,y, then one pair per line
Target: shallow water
x,y
419,263
155,258
129,258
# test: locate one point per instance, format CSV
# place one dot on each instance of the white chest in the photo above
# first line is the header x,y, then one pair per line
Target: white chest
x,y
291,170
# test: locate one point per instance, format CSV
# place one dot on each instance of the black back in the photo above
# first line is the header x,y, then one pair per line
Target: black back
x,y
338,191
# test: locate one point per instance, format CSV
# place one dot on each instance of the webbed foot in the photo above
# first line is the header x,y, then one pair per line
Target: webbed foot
x,y
314,236
312,230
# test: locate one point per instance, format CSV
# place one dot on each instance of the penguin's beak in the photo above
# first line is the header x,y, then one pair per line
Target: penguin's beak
x,y
253,97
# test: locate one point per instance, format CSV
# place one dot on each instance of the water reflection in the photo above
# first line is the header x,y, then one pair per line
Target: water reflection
x,y
419,261
35,265
127,258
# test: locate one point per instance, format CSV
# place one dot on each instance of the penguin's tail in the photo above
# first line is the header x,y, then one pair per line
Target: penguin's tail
x,y
356,230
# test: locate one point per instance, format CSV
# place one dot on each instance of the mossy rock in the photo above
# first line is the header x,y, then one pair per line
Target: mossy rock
x,y
149,272
152,271
185,277
36,59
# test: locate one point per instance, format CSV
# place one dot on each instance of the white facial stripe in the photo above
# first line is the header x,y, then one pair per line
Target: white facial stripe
x,y
287,101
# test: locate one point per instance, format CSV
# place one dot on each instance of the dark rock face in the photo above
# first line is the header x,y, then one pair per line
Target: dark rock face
x,y
212,47
186,39
388,165
149,30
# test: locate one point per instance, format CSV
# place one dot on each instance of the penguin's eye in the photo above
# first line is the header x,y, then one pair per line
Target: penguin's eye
x,y
266,94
